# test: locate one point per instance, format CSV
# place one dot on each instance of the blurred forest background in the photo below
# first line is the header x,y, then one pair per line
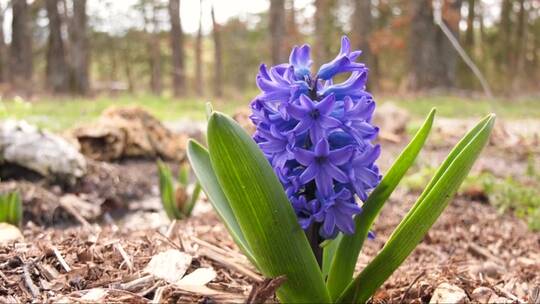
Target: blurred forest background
x,y
140,46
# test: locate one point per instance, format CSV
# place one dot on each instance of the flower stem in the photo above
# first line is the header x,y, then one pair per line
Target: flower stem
x,y
314,238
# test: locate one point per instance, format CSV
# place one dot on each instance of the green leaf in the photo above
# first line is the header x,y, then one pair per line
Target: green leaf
x,y
264,213
344,261
422,216
183,175
200,162
11,208
329,251
166,190
15,209
192,200
449,159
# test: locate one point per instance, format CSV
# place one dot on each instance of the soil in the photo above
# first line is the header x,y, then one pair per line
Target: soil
x,y
63,259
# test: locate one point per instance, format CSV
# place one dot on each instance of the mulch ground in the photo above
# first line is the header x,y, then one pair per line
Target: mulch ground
x,y
470,246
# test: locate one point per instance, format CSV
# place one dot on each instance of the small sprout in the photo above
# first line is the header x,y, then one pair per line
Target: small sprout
x,y
175,197
11,208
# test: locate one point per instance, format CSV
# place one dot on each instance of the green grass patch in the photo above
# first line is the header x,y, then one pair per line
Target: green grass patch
x,y
522,197
452,106
60,113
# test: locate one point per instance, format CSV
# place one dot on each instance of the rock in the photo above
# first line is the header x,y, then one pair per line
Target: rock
x,y
448,293
391,120
482,294
40,151
170,265
195,129
488,268
129,132
9,234
495,299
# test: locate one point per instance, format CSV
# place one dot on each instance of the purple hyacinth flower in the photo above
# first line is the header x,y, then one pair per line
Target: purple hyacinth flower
x,y
338,208
354,87
306,211
279,84
362,173
323,165
344,62
317,134
301,61
314,116
280,146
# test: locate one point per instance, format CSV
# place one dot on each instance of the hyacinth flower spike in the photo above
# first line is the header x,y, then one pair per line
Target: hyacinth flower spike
x,y
308,179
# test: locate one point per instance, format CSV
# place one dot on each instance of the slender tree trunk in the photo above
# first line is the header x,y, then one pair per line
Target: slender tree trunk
x,y
291,28
57,72
469,34
155,56
505,29
21,45
198,55
80,49
277,30
323,31
520,45
362,27
177,45
4,62
433,59
482,37
218,57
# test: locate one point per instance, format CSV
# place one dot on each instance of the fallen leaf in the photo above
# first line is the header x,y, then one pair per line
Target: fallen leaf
x,y
199,277
170,265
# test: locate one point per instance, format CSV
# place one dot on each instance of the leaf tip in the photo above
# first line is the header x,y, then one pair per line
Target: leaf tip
x,y
209,110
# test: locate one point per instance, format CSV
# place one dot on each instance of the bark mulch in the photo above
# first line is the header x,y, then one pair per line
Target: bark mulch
x,y
471,246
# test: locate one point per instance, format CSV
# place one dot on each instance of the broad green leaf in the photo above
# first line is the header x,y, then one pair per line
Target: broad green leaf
x,y
449,159
200,162
166,190
329,251
342,269
416,224
264,213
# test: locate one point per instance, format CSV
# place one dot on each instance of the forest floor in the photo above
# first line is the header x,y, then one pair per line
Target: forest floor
x,y
65,257
486,243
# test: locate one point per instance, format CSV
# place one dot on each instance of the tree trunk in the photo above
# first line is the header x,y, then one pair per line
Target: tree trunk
x,y
362,27
198,55
277,30
520,45
218,57
177,45
433,59
505,29
469,34
21,45
80,82
4,62
291,28
323,31
155,56
56,70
